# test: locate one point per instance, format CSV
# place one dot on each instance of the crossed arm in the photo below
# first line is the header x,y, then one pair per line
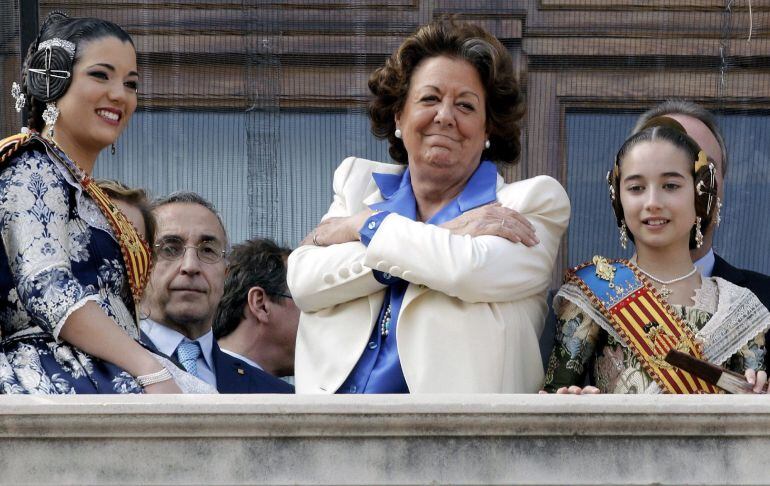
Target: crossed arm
x,y
494,253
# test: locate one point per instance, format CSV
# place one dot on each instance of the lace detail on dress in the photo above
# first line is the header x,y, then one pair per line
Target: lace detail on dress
x,y
740,316
185,381
707,296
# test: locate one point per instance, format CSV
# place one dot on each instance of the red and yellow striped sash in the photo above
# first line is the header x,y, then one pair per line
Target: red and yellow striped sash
x,y
644,321
10,145
651,330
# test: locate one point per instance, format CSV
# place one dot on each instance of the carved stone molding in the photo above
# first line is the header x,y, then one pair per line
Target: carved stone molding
x,y
468,439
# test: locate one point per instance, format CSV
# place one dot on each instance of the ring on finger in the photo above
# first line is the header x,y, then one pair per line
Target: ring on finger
x,y
315,238
502,223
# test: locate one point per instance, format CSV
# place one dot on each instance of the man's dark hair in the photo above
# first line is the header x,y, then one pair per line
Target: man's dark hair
x,y
253,263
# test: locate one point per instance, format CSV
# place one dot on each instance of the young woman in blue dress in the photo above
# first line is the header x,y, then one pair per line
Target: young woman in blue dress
x,y
72,268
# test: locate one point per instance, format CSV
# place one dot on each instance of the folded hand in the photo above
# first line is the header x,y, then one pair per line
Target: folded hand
x,y
332,231
494,220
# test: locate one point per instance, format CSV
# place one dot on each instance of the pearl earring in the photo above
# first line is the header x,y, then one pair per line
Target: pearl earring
x,y
397,133
487,144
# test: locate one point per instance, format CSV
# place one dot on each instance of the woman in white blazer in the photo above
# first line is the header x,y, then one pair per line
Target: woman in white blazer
x,y
430,275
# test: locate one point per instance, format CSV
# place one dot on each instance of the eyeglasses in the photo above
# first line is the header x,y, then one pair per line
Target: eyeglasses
x,y
173,249
284,295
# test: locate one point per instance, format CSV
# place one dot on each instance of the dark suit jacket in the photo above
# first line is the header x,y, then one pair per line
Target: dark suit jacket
x,y
754,281
234,375
757,282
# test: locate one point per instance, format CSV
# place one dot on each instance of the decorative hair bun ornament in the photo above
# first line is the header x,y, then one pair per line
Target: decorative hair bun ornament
x,y
19,96
702,161
50,69
707,184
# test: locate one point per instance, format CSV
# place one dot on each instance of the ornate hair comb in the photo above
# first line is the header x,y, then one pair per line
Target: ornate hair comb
x,y
47,66
56,42
702,161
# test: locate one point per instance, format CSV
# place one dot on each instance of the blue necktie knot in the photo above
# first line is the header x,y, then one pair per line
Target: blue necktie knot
x,y
188,352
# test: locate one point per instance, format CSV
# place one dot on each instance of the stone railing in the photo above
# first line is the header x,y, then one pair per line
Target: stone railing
x,y
436,439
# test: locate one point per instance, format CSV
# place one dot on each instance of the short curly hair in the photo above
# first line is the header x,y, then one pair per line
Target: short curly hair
x,y
447,37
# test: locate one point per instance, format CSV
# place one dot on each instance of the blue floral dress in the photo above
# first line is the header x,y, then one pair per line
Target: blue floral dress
x,y
57,253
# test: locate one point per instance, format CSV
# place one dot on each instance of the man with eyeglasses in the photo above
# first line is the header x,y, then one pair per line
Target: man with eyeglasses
x,y
183,293
257,320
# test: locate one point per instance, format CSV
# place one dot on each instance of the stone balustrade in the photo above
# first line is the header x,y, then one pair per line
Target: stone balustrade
x,y
435,439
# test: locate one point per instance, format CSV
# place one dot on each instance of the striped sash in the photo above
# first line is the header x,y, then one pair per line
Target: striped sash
x,y
136,252
645,323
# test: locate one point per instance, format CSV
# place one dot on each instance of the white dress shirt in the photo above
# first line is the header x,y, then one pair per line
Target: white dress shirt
x,y
706,263
167,340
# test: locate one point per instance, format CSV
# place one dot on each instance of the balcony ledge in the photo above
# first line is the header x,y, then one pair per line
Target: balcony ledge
x,y
458,439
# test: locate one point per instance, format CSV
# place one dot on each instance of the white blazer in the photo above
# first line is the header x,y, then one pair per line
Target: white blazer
x,y
474,308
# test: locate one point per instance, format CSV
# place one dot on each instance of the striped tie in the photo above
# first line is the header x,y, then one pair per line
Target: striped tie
x,y
187,353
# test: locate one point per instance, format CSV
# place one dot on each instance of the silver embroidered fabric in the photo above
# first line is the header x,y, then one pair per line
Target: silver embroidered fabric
x,y
738,316
55,261
42,243
187,382
572,293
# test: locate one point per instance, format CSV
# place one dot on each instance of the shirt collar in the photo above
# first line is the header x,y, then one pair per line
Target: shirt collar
x,y
241,357
481,187
396,190
167,340
706,263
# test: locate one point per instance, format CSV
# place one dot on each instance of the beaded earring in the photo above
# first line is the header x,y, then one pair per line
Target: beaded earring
x,y
623,234
698,233
50,115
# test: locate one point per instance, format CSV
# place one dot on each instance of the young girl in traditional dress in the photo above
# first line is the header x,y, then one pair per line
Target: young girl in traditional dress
x,y
617,319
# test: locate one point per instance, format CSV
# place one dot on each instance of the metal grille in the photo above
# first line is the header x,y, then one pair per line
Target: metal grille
x,y
254,103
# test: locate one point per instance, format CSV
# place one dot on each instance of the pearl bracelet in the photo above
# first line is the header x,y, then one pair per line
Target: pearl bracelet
x,y
147,380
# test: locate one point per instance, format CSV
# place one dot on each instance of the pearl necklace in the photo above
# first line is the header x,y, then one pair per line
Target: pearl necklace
x,y
665,291
385,322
